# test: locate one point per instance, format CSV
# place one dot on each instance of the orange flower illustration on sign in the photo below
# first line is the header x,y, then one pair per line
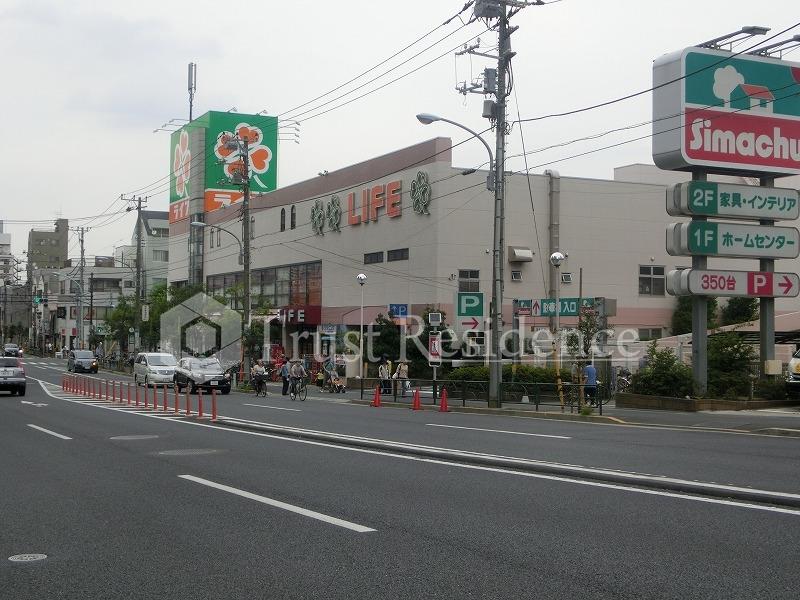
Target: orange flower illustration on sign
x,y
182,165
260,155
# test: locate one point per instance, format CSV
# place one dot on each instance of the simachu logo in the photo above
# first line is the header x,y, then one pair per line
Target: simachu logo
x,y
726,112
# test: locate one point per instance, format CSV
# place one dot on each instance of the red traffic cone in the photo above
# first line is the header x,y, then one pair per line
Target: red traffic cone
x,y
415,403
376,400
443,403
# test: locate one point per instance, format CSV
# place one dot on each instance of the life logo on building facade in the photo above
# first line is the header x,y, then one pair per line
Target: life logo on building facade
x,y
182,165
726,113
376,201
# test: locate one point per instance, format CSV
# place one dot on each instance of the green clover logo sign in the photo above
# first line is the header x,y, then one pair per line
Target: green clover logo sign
x,y
318,217
334,213
421,193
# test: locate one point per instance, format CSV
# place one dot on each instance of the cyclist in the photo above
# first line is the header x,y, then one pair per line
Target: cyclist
x,y
297,373
258,373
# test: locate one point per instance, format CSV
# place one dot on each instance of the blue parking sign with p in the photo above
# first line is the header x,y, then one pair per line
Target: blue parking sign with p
x,y
398,310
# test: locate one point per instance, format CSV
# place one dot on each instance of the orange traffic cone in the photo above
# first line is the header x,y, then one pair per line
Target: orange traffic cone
x,y
376,400
443,403
415,403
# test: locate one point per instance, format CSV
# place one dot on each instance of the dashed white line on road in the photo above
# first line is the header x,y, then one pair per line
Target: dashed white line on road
x,y
283,505
53,433
274,407
558,437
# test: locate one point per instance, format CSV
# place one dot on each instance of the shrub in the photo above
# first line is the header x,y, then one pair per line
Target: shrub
x,y
729,360
771,389
664,375
523,374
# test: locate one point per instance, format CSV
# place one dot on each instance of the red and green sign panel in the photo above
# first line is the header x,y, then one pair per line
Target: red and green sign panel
x,y
219,161
726,113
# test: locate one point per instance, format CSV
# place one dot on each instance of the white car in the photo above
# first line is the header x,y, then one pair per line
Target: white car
x,y
793,378
153,368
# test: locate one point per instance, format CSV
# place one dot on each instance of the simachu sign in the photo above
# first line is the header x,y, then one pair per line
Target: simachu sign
x,y
726,113
370,204
217,164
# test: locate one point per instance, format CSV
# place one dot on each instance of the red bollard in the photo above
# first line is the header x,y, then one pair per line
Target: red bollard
x,y
136,393
106,389
443,403
176,400
129,393
199,403
164,395
376,399
416,403
187,402
214,405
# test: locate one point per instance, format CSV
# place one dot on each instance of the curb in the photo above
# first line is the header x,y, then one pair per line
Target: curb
x,y
505,412
779,431
533,466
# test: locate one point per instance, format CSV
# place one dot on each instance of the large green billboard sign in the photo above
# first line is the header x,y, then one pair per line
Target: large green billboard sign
x,y
220,160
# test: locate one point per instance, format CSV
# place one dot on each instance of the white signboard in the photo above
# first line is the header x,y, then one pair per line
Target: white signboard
x,y
755,284
711,199
706,238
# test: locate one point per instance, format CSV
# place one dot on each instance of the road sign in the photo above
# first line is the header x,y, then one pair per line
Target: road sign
x,y
733,240
435,319
398,310
145,312
470,323
434,348
570,307
469,304
755,284
102,329
328,329
732,201
523,308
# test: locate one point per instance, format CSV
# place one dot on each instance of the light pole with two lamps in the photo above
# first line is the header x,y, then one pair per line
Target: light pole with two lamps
x,y
556,258
495,364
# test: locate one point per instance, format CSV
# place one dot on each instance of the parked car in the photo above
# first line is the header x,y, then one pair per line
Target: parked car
x,y
82,361
203,373
12,350
12,375
154,367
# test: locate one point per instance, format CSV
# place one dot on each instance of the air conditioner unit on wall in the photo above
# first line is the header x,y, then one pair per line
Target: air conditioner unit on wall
x,y
566,278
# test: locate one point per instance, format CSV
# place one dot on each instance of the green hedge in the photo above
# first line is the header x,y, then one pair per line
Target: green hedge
x,y
522,374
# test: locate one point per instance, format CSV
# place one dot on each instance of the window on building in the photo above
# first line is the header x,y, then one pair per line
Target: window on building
x,y
293,218
399,254
159,281
128,283
283,219
160,231
469,280
651,280
650,333
161,255
210,237
373,257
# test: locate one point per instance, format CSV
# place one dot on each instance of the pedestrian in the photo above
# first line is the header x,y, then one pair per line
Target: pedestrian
x,y
590,383
285,376
401,375
383,375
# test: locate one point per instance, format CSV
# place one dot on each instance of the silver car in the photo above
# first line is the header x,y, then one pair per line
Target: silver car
x,y
12,375
154,368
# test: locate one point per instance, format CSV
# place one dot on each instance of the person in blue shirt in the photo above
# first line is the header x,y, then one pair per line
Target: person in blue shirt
x,y
285,376
590,383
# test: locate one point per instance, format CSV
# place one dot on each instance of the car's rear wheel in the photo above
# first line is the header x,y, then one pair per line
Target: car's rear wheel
x,y
21,391
225,391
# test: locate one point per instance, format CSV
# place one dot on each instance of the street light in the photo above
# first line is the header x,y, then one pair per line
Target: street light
x,y
362,279
556,258
495,365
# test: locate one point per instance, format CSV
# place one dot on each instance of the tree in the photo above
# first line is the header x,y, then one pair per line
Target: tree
x,y
120,320
682,317
729,360
663,374
739,310
160,302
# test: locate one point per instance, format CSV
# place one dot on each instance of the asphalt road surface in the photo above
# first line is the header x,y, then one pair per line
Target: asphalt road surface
x,y
132,503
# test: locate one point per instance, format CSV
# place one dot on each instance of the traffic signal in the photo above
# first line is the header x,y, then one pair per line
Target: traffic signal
x,y
37,299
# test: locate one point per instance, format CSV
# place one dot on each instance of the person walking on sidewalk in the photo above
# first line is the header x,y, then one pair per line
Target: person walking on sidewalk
x,y
401,375
285,376
383,375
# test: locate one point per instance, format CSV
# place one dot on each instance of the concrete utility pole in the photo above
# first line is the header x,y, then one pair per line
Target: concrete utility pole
x,y
246,229
136,204
79,315
91,304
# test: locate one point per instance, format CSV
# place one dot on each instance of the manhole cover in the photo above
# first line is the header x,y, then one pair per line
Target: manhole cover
x,y
189,452
27,557
134,437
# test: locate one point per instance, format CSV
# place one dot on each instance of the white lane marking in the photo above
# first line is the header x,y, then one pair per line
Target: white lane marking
x,y
283,505
274,407
558,437
42,429
620,487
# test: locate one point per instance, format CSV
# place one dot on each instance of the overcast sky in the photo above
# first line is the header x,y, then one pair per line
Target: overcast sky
x,y
85,84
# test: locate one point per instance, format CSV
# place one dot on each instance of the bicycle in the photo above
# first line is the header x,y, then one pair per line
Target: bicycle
x,y
260,385
298,392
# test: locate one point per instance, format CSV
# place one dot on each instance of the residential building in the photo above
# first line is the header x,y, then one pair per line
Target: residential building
x,y
155,250
47,249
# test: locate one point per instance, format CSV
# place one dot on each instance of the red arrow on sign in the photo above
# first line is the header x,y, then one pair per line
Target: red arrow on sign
x,y
785,285
473,323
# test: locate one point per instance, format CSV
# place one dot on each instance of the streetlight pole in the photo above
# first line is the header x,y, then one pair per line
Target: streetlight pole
x,y
362,279
556,258
494,183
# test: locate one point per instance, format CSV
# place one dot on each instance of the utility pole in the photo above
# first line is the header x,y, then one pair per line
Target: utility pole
x,y
136,204
91,304
246,240
79,316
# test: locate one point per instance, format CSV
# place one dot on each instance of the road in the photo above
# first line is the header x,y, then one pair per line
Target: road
x,y
128,503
